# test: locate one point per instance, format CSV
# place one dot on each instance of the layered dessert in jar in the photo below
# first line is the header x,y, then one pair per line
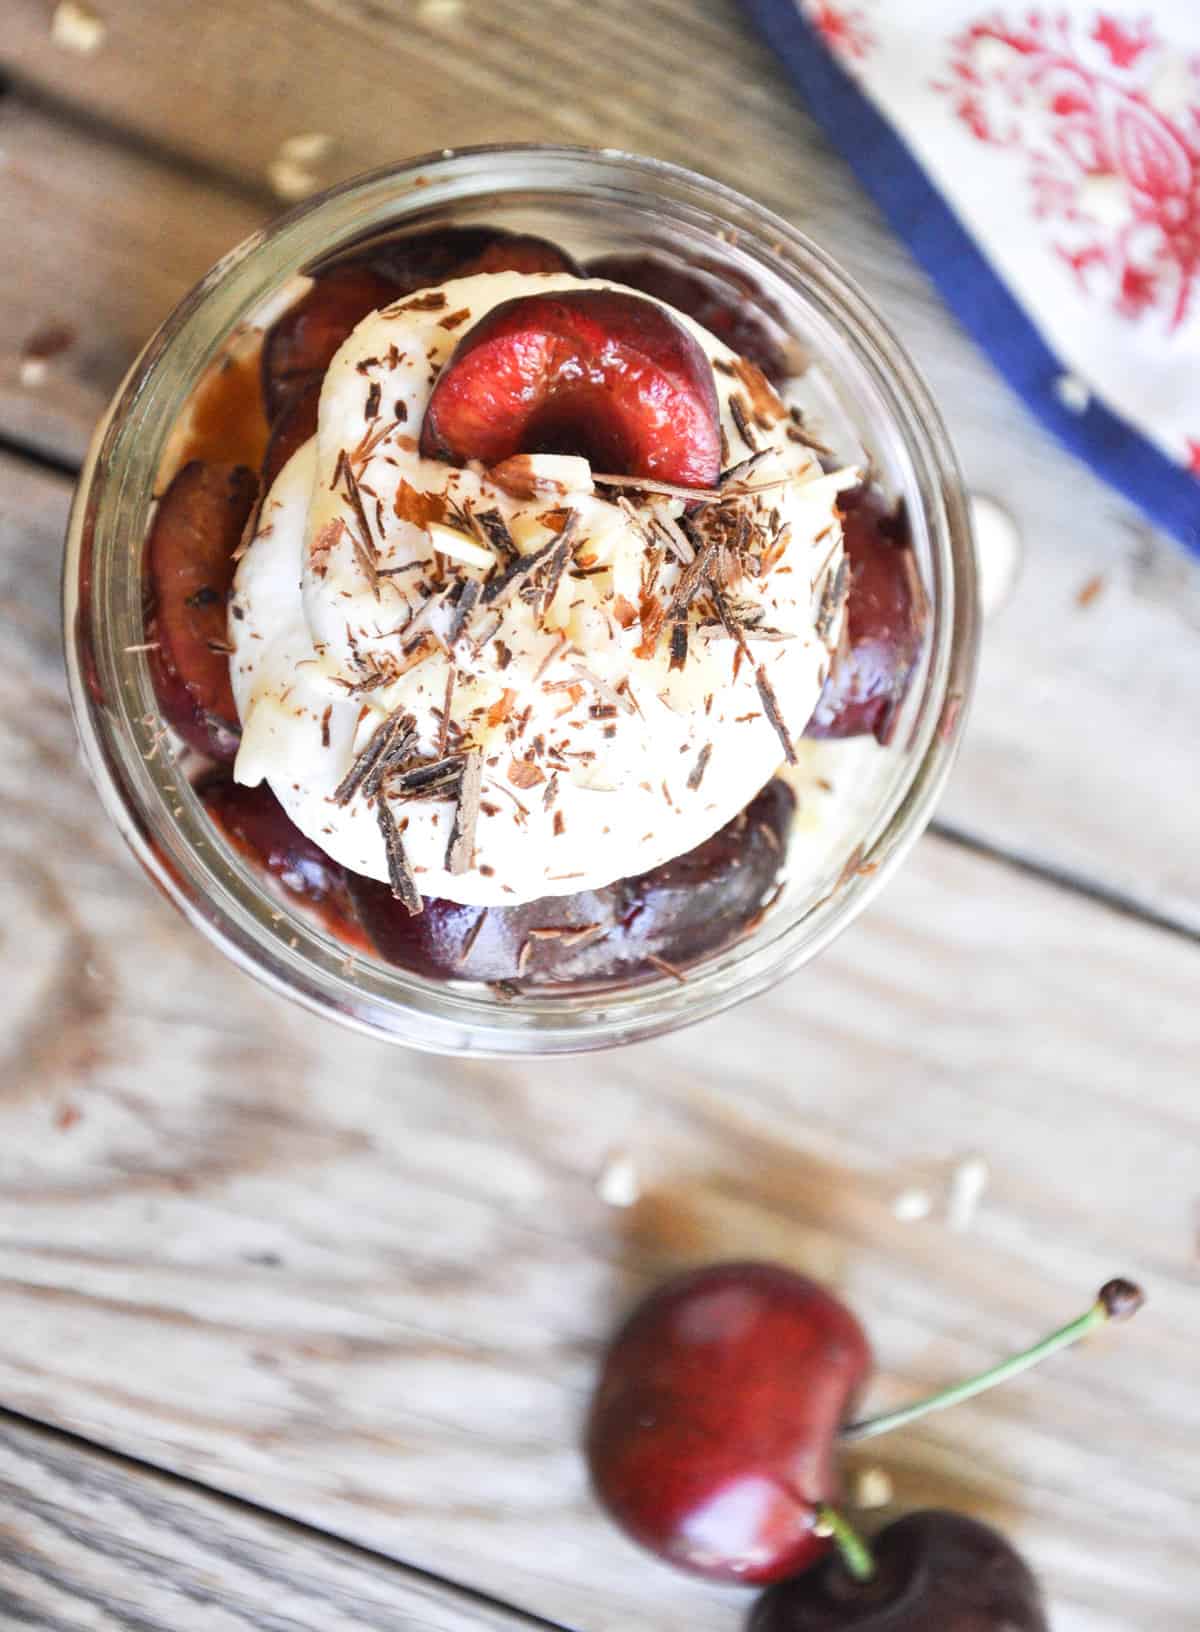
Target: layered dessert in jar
x,y
520,618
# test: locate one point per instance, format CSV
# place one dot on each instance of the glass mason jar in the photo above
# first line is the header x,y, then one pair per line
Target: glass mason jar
x,y
592,203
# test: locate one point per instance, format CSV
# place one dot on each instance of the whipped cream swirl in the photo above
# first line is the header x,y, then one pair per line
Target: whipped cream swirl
x,y
530,614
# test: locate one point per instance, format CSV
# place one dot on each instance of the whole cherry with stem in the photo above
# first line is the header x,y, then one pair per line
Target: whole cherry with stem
x,y
721,1401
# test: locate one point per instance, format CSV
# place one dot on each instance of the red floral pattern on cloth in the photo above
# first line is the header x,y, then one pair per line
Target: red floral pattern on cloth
x,y
1115,173
844,29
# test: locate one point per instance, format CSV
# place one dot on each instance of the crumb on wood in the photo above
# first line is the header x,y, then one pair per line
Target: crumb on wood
x,y
74,26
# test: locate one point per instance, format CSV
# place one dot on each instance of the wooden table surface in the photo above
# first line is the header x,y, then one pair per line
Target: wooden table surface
x,y
296,1330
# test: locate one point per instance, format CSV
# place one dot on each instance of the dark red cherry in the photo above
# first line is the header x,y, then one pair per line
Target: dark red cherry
x,y
934,1572
254,821
295,423
189,568
300,345
887,616
711,1433
675,914
706,295
519,253
590,371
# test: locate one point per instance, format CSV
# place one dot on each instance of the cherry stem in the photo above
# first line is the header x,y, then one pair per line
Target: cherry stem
x,y
855,1553
1117,1300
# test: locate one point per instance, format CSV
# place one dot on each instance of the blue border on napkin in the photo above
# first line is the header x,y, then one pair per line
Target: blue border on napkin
x,y
982,302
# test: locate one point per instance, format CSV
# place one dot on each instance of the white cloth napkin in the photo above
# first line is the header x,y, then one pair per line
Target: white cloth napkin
x,y
1044,165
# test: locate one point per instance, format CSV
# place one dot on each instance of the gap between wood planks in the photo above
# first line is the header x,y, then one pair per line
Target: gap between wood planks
x,y
92,126
241,1507
1059,878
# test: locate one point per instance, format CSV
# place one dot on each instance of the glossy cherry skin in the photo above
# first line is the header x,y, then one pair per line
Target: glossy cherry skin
x,y
189,568
934,1572
723,310
711,1433
300,344
292,427
591,371
519,252
677,913
887,614
257,825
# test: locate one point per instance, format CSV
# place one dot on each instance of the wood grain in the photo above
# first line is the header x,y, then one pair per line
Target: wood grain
x,y
101,243
92,1543
1081,708
368,1289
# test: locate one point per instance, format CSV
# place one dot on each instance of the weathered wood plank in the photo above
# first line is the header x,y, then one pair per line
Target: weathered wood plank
x,y
90,1541
1081,709
368,1289
100,244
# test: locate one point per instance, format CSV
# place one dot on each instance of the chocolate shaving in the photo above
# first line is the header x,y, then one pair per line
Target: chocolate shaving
x,y
495,530
648,484
665,968
400,874
500,588
426,781
371,411
797,433
471,937
373,682
832,596
460,850
464,606
603,688
677,541
698,769
690,580
325,725
765,690
454,320
370,441
433,301
394,733
739,472
448,698
364,547
737,412
558,563
771,709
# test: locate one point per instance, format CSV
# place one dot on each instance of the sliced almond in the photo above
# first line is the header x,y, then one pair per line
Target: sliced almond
x,y
460,546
